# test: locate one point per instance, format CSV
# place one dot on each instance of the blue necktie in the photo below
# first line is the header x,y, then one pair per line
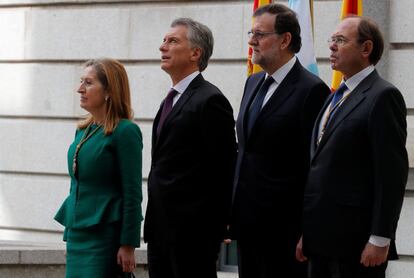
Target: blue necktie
x,y
166,109
338,94
256,105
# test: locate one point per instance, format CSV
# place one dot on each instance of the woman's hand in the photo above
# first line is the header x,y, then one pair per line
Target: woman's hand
x,y
126,258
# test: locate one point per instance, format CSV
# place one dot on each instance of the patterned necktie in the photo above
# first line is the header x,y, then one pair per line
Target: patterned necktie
x,y
256,105
166,109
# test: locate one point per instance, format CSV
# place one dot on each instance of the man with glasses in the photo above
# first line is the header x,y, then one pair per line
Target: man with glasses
x,y
359,164
274,126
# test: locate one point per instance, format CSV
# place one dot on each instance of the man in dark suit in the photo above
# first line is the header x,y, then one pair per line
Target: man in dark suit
x,y
193,158
359,164
274,128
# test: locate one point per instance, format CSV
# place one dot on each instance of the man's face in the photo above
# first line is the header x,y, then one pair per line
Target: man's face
x,y
266,43
346,52
176,51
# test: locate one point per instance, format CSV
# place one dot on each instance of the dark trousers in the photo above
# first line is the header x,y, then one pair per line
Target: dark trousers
x,y
267,259
183,260
323,267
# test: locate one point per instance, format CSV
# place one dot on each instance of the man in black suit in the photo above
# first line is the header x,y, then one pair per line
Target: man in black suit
x,y
274,128
193,158
359,164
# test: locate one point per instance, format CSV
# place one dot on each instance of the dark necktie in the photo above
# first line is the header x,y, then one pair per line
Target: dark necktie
x,y
338,95
256,105
166,109
335,102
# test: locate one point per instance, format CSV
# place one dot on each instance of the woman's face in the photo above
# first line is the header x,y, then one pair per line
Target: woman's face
x,y
92,92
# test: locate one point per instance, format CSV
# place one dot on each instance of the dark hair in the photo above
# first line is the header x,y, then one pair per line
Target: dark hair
x,y
199,35
368,30
285,22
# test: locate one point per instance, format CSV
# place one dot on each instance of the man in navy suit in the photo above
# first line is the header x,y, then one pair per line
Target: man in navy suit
x,y
359,163
274,127
193,158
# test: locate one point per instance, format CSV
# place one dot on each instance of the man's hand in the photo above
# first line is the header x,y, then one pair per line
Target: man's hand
x,y
373,255
126,258
299,251
227,239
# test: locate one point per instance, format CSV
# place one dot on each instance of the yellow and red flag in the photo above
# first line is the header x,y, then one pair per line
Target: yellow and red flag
x,y
348,7
250,67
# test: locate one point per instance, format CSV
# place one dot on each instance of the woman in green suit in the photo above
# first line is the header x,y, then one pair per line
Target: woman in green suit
x,y
102,214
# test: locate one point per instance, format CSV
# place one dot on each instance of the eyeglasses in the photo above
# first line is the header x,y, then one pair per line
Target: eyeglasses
x,y
338,40
258,35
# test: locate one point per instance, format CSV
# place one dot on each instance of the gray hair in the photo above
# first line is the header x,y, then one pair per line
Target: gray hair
x,y
199,35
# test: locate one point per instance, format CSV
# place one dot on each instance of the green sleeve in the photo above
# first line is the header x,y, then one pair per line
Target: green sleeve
x,y
65,234
129,157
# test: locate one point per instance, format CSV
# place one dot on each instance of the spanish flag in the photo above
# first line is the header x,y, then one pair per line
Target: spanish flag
x,y
250,67
348,7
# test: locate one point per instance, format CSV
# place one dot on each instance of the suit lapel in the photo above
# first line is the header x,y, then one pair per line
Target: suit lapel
x,y
252,86
282,93
315,130
186,95
154,128
356,97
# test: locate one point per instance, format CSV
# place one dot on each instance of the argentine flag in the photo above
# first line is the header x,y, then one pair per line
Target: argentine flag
x,y
306,54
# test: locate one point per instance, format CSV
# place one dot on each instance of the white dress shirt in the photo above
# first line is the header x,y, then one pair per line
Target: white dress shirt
x,y
278,77
351,84
181,86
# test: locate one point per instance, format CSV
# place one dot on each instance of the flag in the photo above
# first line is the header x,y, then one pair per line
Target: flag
x,y
348,7
250,67
304,12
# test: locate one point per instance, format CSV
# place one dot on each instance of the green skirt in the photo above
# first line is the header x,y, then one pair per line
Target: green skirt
x,y
91,252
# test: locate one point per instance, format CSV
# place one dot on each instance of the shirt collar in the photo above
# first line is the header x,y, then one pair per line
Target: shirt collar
x,y
181,86
281,73
352,82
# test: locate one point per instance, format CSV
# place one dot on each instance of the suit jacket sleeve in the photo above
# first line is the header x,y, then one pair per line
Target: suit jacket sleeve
x,y
129,158
388,132
65,234
220,143
313,105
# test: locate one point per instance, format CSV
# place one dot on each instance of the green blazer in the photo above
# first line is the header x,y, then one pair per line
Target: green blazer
x,y
108,184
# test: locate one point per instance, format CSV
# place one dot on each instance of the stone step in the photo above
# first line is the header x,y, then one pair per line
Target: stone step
x,y
34,260
27,259
227,275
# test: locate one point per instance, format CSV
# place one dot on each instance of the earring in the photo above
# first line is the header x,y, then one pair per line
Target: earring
x,y
106,98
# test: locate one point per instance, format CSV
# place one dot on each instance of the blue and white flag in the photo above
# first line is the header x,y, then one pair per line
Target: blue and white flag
x,y
306,54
